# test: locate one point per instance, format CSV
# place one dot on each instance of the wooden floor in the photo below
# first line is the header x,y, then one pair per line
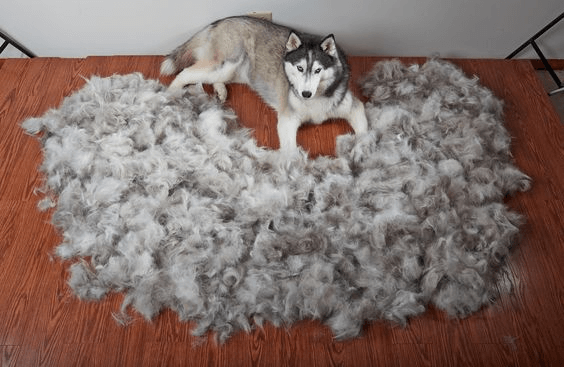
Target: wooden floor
x,y
43,324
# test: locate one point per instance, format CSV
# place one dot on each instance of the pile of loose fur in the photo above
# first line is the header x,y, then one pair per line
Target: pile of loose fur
x,y
165,198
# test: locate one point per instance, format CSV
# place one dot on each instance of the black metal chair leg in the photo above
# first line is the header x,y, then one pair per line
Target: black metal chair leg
x,y
10,41
545,62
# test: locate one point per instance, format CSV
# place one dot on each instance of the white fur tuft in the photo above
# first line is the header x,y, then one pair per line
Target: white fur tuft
x,y
168,67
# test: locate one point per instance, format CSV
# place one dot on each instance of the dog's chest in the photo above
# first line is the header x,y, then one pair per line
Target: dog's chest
x,y
314,110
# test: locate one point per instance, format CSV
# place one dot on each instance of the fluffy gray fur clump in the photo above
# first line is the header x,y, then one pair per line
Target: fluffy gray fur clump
x,y
163,197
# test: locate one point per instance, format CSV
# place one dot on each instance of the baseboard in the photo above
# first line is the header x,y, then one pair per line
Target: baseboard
x,y
556,64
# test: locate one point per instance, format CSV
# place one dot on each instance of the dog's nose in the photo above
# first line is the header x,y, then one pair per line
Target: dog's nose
x,y
306,94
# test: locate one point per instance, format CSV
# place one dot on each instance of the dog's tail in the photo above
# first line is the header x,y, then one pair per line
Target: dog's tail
x,y
182,57
168,67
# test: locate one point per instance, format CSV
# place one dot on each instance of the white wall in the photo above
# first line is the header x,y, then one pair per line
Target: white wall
x,y
450,28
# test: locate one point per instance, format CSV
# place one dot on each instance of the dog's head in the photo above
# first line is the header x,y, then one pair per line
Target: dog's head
x,y
310,64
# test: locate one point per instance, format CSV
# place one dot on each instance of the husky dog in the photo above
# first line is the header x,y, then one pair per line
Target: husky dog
x,y
303,77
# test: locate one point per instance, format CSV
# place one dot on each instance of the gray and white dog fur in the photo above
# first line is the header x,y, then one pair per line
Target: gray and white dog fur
x,y
161,196
303,77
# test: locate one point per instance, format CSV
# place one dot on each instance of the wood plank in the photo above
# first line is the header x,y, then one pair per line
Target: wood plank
x,y
42,323
8,355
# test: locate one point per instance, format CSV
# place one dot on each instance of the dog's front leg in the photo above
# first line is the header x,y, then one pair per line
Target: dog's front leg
x,y
287,130
357,117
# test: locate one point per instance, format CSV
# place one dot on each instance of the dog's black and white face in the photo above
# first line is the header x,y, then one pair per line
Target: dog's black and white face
x,y
310,65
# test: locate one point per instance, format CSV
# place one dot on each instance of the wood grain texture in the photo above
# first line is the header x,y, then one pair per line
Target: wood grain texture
x,y
43,324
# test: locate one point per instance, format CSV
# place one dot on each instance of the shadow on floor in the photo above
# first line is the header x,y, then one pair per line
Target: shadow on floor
x,y
549,85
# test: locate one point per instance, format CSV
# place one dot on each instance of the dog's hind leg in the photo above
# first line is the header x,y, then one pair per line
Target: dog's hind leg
x,y
194,74
220,91
205,71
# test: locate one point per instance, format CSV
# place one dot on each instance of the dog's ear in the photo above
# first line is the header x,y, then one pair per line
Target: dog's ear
x,y
328,45
293,42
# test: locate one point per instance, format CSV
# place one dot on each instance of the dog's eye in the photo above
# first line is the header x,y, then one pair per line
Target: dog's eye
x,y
317,71
300,69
